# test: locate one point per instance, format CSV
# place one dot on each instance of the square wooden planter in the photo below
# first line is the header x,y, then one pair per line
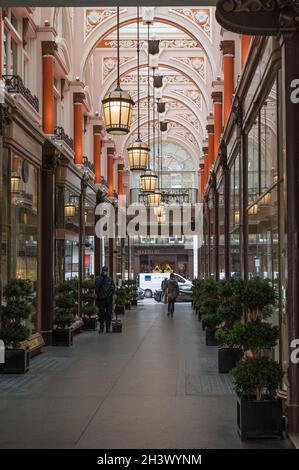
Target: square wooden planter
x,y
62,337
134,303
90,323
228,358
16,361
259,419
117,326
128,305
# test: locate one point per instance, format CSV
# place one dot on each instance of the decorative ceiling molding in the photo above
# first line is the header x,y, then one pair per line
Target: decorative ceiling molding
x,y
131,79
96,16
193,94
196,63
110,64
200,16
165,44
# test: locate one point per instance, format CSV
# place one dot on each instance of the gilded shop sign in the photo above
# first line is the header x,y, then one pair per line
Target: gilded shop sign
x,y
258,17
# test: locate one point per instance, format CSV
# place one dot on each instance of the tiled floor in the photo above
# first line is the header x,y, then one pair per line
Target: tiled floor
x,y
153,386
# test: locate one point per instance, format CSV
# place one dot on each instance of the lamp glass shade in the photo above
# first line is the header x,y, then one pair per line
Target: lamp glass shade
x,y
154,199
138,154
69,209
266,199
237,217
159,211
161,218
118,112
253,209
15,183
148,182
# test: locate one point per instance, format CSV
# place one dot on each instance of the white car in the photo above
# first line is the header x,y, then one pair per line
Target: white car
x,y
150,282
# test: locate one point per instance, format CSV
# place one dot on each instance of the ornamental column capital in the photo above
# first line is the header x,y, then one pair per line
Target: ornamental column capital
x,y
49,48
227,47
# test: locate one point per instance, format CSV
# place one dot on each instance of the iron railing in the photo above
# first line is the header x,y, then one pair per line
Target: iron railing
x,y
15,84
61,135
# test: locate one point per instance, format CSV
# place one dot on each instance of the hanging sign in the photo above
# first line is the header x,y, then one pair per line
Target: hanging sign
x,y
258,17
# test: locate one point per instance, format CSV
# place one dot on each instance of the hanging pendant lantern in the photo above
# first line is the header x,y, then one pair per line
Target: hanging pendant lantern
x,y
118,104
253,210
154,199
15,183
118,111
69,209
163,126
138,152
161,218
159,211
161,107
148,181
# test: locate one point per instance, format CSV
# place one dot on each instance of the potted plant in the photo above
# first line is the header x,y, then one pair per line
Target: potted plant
x,y
120,301
197,289
65,311
230,311
15,311
209,304
89,309
134,293
257,376
128,293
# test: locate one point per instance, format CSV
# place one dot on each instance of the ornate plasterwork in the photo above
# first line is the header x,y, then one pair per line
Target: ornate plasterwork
x,y
110,64
192,119
172,78
171,104
199,16
196,63
165,44
181,131
193,94
95,16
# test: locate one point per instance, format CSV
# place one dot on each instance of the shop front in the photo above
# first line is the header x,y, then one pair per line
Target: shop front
x,y
20,173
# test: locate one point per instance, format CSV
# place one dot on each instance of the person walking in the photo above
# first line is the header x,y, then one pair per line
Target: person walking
x,y
105,290
172,293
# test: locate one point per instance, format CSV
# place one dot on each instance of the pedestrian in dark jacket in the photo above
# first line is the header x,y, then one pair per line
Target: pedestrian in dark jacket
x,y
105,290
172,293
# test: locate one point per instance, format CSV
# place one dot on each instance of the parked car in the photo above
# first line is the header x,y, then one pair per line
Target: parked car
x,y
158,295
185,295
140,293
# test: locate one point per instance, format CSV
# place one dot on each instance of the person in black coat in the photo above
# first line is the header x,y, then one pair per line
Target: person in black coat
x,y
105,288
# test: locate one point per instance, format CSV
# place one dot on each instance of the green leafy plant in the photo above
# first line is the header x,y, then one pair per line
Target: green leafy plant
x,y
120,297
256,374
257,377
127,288
15,312
259,298
65,304
88,297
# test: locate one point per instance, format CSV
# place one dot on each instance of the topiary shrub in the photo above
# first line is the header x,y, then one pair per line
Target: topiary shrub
x,y
120,297
257,377
89,308
65,304
259,298
256,374
15,312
